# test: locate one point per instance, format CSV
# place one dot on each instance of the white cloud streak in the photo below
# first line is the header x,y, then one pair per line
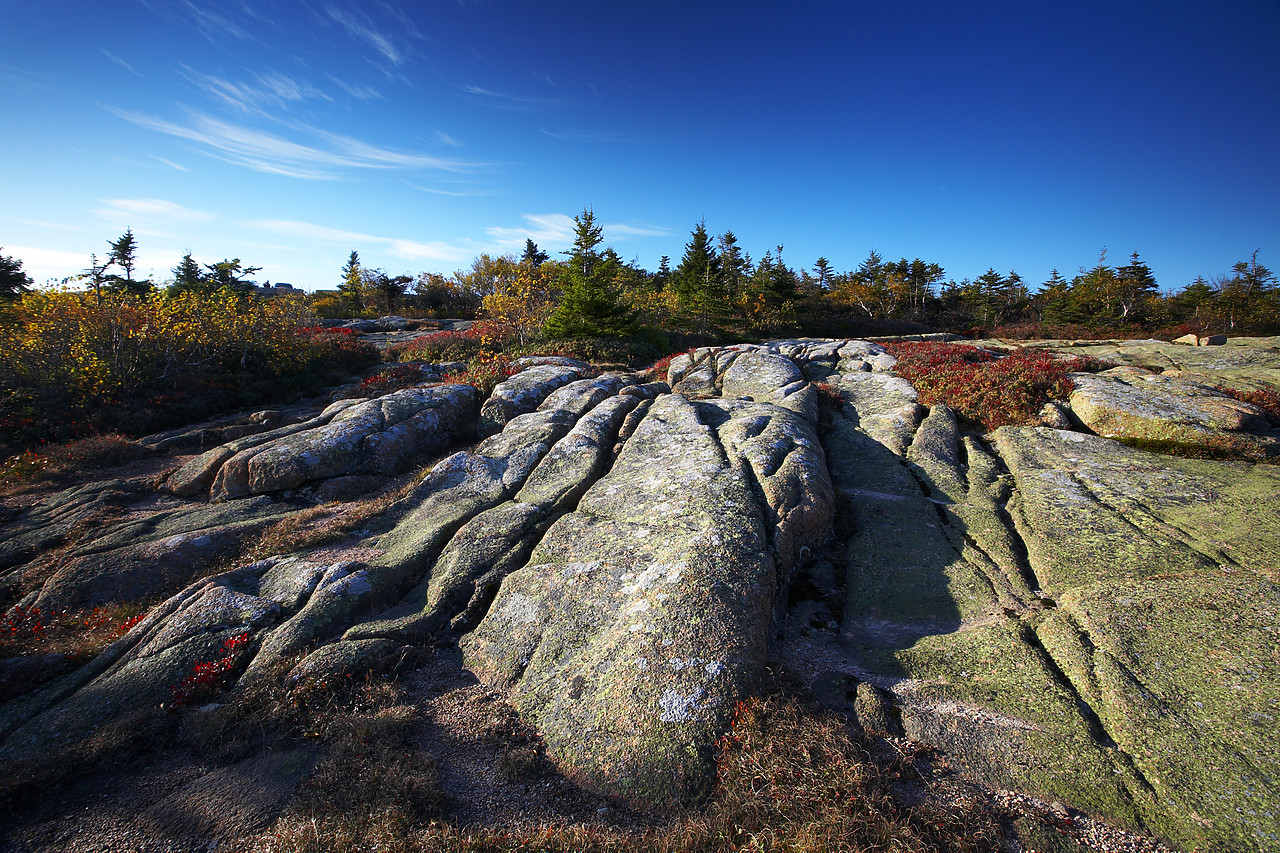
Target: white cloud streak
x,y
169,163
559,229
407,249
118,61
502,101
206,17
548,227
359,91
360,28
268,152
151,210
271,90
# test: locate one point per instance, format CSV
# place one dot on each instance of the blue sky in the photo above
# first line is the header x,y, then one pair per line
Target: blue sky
x,y
1024,135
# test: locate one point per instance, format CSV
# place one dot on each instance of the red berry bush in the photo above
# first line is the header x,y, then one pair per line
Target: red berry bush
x,y
987,388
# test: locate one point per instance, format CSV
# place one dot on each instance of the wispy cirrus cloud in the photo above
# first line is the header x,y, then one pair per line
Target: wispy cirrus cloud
x,y
583,135
546,227
557,228
125,210
622,231
453,193
207,17
504,101
411,250
272,89
169,163
360,27
359,91
276,154
118,61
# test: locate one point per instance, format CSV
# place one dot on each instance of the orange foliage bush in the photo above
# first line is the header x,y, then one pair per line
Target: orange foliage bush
x,y
76,363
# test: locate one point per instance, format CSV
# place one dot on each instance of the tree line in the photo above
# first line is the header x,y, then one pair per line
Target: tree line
x,y
718,287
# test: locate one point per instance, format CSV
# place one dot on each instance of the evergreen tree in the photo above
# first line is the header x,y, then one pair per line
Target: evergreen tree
x,y
697,282
1093,293
1055,301
123,254
230,275
533,256
775,279
351,287
1135,290
663,275
187,276
1248,297
735,266
13,281
589,306
823,272
1197,302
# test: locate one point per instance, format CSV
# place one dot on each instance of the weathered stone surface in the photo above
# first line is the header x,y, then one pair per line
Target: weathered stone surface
x,y
1243,363
1168,611
643,615
1053,611
195,477
1129,405
882,406
580,396
350,437
59,517
523,393
372,437
1033,623
140,670
154,555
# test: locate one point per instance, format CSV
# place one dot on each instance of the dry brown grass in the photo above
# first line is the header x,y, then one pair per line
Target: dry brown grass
x,y
54,461
791,778
310,528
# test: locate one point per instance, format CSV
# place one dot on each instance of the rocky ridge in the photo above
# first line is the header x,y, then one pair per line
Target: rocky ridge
x,y
1056,612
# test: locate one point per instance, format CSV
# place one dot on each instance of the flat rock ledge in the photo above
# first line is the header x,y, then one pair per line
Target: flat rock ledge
x,y
1053,611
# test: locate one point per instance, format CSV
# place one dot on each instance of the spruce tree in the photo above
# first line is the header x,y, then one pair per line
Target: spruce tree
x,y
351,288
187,276
589,307
735,265
123,252
698,282
823,272
13,281
533,256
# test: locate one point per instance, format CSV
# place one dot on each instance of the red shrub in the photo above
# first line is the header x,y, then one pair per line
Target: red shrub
x,y
206,676
984,387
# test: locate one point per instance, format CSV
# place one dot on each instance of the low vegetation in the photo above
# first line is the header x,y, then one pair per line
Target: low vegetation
x,y
791,777
985,388
75,364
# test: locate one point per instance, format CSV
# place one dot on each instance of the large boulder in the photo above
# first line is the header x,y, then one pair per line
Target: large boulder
x,y
350,437
642,616
1134,404
524,392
